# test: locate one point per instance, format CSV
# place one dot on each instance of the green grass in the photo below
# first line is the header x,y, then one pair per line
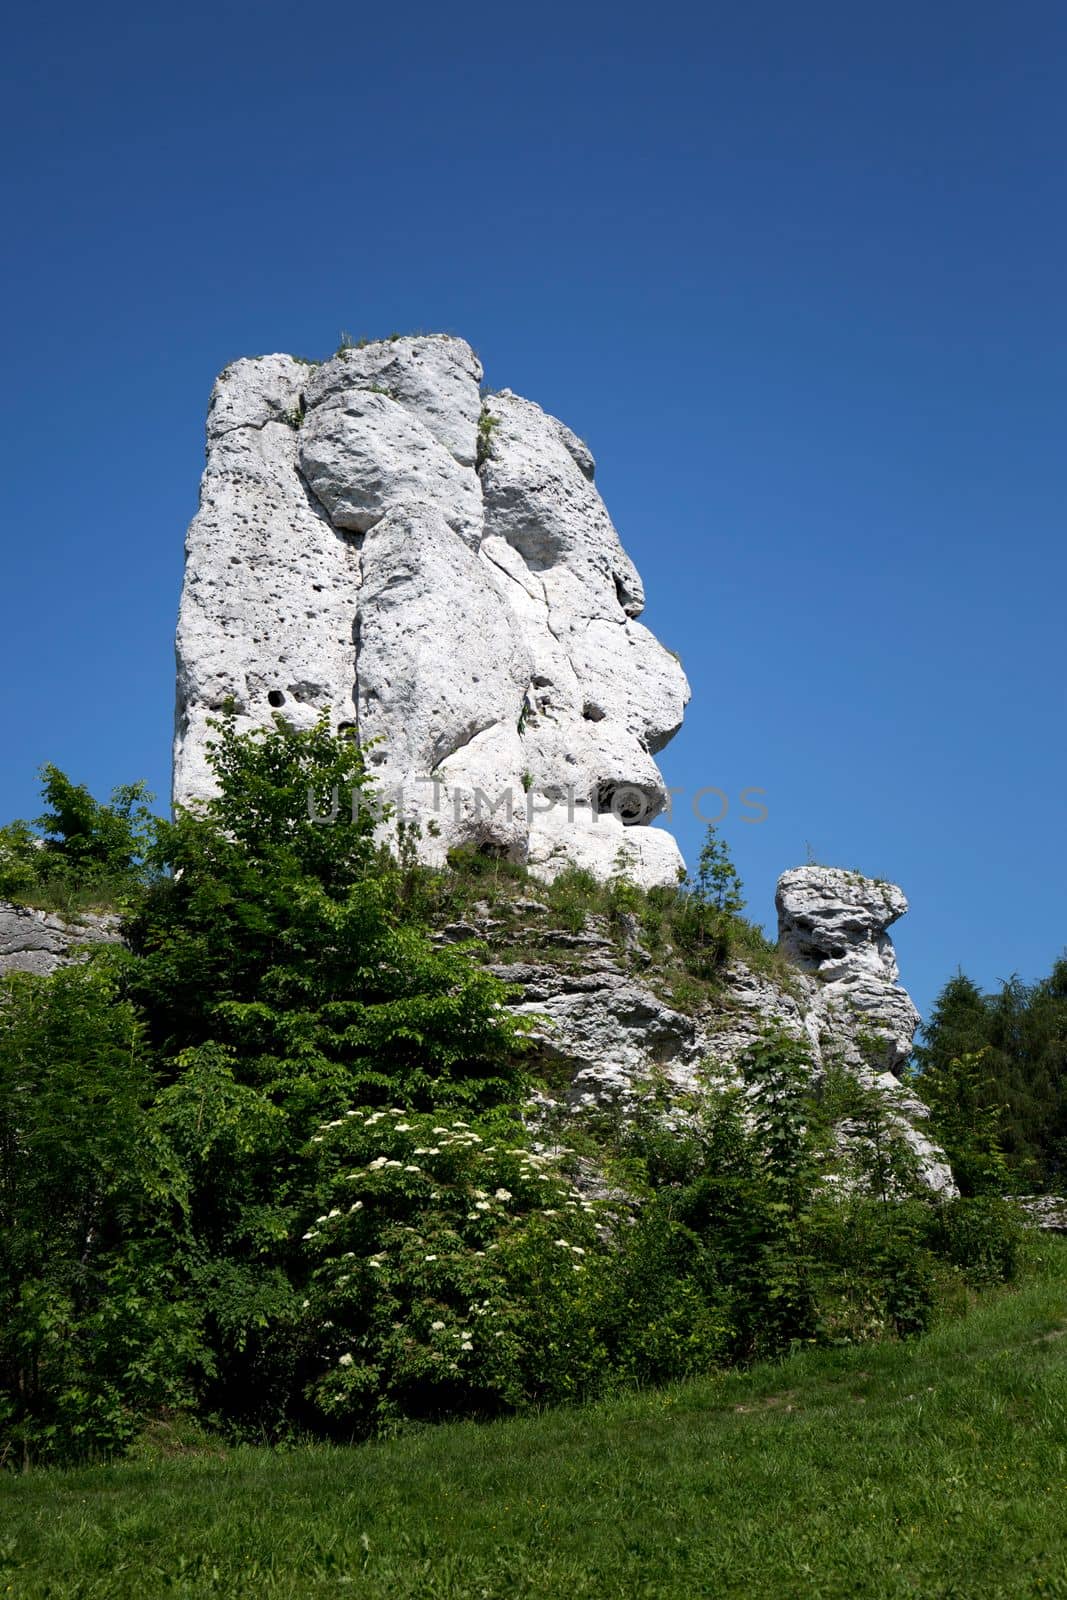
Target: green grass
x,y
65,899
935,1469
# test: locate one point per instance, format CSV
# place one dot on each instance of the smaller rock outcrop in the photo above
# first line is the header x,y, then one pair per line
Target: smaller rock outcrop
x,y
834,924
40,941
611,1028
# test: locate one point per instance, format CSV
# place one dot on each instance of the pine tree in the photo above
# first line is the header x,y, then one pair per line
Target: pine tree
x,y
1020,1034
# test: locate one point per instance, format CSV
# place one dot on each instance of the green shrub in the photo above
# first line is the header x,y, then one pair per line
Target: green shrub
x,y
19,861
449,1275
873,1274
573,895
487,426
81,852
96,1327
982,1235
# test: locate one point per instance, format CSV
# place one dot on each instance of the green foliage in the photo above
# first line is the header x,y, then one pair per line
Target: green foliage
x,y
81,852
702,918
982,1235
777,1071
270,1157
19,862
449,1274
460,1272
1021,1033
622,897
875,1157
283,981
572,894
277,936
718,883
875,1473
487,426
872,1271
967,1117
692,939
95,1330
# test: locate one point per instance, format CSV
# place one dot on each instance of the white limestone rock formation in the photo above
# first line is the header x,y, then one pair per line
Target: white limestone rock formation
x,y
39,942
441,575
614,1034
833,925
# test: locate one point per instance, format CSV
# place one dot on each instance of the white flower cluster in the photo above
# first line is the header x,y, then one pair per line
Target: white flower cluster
x,y
523,1168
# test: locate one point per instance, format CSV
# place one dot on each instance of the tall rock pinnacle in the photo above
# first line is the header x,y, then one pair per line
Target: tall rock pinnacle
x,y
439,574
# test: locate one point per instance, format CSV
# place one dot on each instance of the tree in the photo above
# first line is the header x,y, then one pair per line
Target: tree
x,y
967,1115
80,849
283,984
1020,1032
959,1023
276,935
94,1327
718,882
709,907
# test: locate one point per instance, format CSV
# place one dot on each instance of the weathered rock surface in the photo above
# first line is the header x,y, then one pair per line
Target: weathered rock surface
x,y
40,941
347,556
363,455
1045,1211
603,1024
612,1033
834,924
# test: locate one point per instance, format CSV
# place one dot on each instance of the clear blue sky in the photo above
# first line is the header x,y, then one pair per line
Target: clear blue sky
x,y
797,272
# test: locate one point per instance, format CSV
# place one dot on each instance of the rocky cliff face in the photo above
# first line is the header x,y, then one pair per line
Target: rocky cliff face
x,y
440,573
40,941
613,1030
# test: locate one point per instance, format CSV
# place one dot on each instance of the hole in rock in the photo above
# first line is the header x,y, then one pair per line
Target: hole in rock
x,y
276,698
592,712
629,803
346,730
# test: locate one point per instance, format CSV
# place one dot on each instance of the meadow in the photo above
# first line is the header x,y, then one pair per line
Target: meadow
x,y
935,1467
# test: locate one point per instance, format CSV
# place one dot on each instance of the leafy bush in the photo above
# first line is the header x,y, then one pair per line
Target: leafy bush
x,y
95,1327
966,1115
281,938
448,1268
982,1235
873,1156
873,1272
83,852
19,863
573,894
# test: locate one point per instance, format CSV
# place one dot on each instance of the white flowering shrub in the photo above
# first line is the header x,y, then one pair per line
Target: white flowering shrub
x,y
455,1271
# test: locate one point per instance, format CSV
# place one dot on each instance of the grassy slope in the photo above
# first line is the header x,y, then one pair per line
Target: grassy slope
x,y
932,1469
